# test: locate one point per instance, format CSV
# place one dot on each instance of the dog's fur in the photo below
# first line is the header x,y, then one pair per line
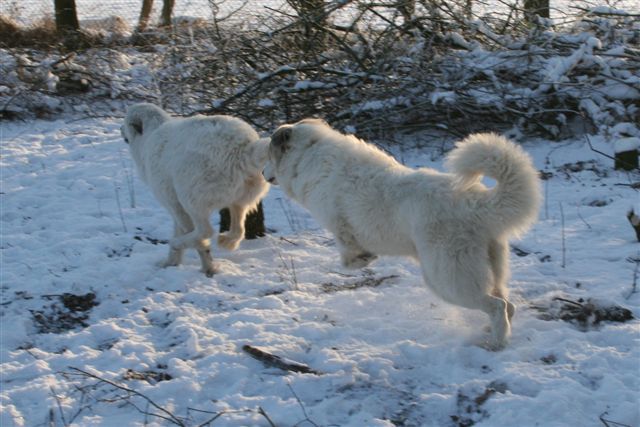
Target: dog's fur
x,y
195,166
452,224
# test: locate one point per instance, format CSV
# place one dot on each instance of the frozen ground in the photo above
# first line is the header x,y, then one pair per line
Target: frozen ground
x,y
93,333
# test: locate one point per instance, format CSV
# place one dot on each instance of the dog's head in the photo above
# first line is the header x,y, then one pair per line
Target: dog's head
x,y
140,120
289,138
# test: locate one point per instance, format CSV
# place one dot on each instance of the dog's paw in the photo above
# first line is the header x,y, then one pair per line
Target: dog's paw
x,y
167,263
498,338
359,261
495,345
228,242
210,271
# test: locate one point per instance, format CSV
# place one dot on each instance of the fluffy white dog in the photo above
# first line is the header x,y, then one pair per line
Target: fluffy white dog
x,y
452,224
195,166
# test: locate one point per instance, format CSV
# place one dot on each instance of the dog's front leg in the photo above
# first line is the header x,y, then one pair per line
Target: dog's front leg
x,y
352,255
231,239
175,254
500,312
207,261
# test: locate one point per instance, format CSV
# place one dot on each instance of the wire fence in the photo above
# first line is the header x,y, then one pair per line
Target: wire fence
x,y
28,12
89,11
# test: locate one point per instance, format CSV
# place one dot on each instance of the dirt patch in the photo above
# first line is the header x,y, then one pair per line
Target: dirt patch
x,y
470,410
67,312
585,314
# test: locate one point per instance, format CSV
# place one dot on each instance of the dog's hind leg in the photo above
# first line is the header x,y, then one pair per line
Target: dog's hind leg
x,y
181,225
497,309
175,254
464,277
198,238
231,239
499,260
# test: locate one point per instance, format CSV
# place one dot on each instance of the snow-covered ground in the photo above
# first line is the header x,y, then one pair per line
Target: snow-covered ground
x,y
77,221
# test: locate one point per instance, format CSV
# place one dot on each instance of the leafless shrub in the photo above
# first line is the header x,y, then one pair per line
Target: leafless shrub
x,y
389,66
91,390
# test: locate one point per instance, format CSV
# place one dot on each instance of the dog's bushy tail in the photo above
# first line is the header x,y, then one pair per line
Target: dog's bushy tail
x,y
514,202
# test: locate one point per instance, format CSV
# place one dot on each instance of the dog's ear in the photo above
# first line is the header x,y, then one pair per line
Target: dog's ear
x,y
281,137
260,152
136,125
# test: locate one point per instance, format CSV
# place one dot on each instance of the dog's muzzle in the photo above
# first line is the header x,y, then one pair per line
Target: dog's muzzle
x,y
270,179
268,174
123,135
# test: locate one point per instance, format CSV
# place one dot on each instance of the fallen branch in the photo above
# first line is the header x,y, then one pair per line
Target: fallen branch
x,y
272,360
369,281
609,423
168,416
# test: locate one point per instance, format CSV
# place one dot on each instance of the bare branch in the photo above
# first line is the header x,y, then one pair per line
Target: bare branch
x,y
168,416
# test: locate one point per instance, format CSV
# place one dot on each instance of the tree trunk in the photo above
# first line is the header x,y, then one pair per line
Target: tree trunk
x,y
167,11
253,223
145,14
533,8
626,160
66,16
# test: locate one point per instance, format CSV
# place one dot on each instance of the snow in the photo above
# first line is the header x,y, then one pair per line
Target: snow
x,y
265,102
606,10
626,144
75,219
309,84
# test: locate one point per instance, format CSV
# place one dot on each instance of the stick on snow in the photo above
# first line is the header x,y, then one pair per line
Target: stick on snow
x,y
278,362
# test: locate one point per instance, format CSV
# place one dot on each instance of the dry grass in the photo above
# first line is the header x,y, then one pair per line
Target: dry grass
x,y
40,34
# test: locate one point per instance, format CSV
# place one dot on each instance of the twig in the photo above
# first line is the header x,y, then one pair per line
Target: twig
x,y
564,248
634,285
63,59
582,218
634,220
277,361
609,423
129,180
124,225
367,281
546,199
288,241
304,411
55,396
291,270
168,415
218,414
602,153
264,414
568,301
284,70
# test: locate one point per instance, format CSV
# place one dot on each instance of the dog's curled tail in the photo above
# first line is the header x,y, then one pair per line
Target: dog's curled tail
x,y
514,202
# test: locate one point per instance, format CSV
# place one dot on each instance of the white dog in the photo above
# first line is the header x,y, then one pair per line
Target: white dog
x,y
452,224
195,166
